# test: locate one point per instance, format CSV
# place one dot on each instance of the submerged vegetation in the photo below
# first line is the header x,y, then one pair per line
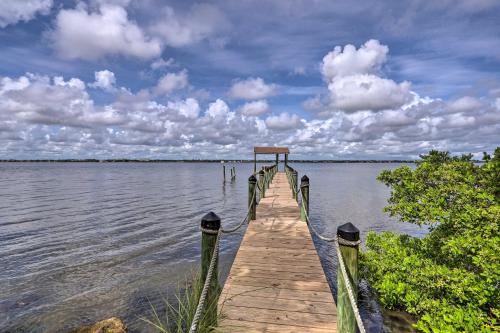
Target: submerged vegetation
x,y
179,312
450,278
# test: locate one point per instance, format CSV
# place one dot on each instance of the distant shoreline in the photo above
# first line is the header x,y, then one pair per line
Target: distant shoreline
x,y
196,161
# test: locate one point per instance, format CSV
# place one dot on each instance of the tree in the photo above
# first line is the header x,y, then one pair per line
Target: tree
x,y
450,278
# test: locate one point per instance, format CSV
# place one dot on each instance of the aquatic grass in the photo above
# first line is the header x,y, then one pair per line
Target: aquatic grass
x,y
179,311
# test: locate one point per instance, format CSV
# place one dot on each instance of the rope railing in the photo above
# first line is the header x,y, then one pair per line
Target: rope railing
x,y
204,292
341,264
215,253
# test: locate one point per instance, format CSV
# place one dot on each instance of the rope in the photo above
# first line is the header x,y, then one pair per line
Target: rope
x,y
245,219
215,254
350,292
204,292
341,241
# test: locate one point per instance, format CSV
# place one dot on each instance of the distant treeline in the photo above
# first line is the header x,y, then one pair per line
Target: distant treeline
x,y
124,160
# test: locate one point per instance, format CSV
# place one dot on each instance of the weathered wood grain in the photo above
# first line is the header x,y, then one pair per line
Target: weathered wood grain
x,y
276,283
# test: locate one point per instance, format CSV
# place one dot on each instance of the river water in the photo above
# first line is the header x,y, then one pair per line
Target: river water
x,y
80,242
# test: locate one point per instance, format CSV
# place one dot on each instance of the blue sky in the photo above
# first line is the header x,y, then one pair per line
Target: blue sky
x,y
329,79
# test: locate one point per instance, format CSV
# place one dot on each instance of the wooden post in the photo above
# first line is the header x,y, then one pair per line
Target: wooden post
x,y
254,162
304,207
286,161
346,319
224,172
252,204
234,172
210,225
295,185
262,183
277,159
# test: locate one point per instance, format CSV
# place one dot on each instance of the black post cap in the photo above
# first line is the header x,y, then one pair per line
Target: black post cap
x,y
304,179
348,232
210,221
252,179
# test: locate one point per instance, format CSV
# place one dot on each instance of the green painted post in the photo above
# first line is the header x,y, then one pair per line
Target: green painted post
x,y
304,207
262,183
294,186
210,225
252,204
346,319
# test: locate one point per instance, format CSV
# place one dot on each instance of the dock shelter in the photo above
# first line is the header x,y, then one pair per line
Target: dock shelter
x,y
269,151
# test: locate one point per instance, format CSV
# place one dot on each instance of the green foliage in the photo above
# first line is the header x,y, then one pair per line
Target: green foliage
x,y
450,278
179,313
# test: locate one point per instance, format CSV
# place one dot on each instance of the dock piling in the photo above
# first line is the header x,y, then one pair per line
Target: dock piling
x,y
348,238
262,184
210,225
294,185
304,189
252,204
224,172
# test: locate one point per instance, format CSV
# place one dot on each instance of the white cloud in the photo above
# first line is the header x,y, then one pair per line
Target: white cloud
x,y
104,80
464,104
354,82
252,88
13,11
200,22
162,63
189,108
284,121
218,109
256,108
368,59
368,92
171,82
79,33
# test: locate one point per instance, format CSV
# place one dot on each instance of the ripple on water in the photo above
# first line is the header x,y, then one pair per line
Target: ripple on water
x,y
85,241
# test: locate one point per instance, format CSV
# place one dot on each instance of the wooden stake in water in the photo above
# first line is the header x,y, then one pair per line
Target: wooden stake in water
x,y
346,319
210,225
224,172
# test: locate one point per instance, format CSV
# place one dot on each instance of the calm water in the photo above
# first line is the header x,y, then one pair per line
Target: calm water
x,y
80,242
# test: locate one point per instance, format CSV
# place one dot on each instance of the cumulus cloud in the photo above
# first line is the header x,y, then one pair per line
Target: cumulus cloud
x,y
354,83
368,59
172,81
252,88
12,12
368,92
200,22
464,104
188,108
283,121
79,33
255,108
104,80
162,63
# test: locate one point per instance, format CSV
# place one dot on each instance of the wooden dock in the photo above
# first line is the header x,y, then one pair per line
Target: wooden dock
x,y
277,283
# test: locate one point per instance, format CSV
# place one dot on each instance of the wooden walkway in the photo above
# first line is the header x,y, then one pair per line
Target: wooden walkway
x,y
276,283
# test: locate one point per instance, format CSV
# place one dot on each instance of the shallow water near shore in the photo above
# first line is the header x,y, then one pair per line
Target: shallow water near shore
x,y
80,242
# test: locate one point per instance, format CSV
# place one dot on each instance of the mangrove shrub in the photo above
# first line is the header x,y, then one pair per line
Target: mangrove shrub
x,y
448,279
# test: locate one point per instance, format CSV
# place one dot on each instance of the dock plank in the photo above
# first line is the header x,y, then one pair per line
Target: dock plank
x,y
276,283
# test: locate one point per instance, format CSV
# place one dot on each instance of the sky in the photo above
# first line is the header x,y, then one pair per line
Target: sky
x,y
194,80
